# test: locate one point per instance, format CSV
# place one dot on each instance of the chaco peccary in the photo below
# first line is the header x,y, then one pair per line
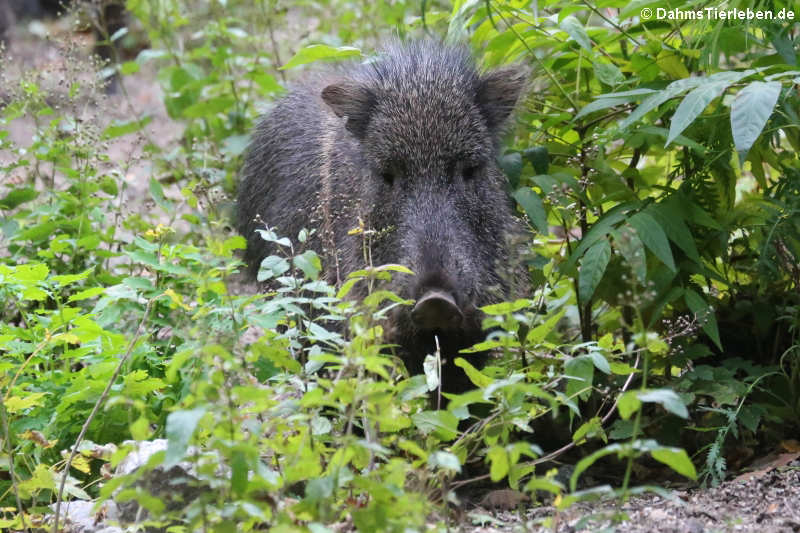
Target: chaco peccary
x,y
406,144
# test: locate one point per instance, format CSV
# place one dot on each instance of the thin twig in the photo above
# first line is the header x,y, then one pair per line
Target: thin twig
x,y
96,408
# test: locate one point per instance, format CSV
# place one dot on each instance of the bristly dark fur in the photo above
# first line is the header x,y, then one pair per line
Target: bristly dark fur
x,y
407,143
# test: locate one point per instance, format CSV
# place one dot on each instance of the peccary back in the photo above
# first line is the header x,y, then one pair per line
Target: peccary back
x,y
406,144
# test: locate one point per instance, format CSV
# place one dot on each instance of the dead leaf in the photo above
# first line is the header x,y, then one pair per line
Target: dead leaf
x,y
773,462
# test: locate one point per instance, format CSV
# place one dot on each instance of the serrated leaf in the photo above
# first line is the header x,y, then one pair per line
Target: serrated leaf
x,y
64,280
272,266
309,263
16,404
653,237
30,272
86,294
750,112
593,266
316,52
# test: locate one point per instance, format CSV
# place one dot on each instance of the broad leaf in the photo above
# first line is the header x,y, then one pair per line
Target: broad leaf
x,y
316,52
593,266
653,237
750,111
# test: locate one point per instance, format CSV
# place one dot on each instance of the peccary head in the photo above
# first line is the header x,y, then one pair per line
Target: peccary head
x,y
427,127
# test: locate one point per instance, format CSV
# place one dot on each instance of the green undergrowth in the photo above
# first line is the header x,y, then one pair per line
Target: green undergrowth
x,y
655,162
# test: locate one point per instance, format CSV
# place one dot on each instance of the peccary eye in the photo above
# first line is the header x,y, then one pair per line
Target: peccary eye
x,y
470,171
390,173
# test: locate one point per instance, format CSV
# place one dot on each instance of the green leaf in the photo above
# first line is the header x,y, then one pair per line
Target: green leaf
x,y
672,63
180,428
30,272
653,237
443,424
593,266
445,460
533,207
580,375
627,241
316,52
86,294
537,335
309,263
209,106
272,266
602,103
506,308
667,398
600,229
539,158
16,404
676,459
677,87
157,193
670,218
608,73
628,404
129,67
692,105
239,472
475,376
64,280
698,305
575,29
17,197
750,111
498,461
590,428
119,128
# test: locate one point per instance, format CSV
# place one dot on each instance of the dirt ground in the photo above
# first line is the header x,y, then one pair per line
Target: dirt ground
x,y
765,501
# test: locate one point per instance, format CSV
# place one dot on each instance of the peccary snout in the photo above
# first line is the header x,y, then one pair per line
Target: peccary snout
x,y
437,310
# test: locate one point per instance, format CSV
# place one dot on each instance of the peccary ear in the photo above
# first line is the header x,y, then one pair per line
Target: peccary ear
x,y
351,100
498,93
